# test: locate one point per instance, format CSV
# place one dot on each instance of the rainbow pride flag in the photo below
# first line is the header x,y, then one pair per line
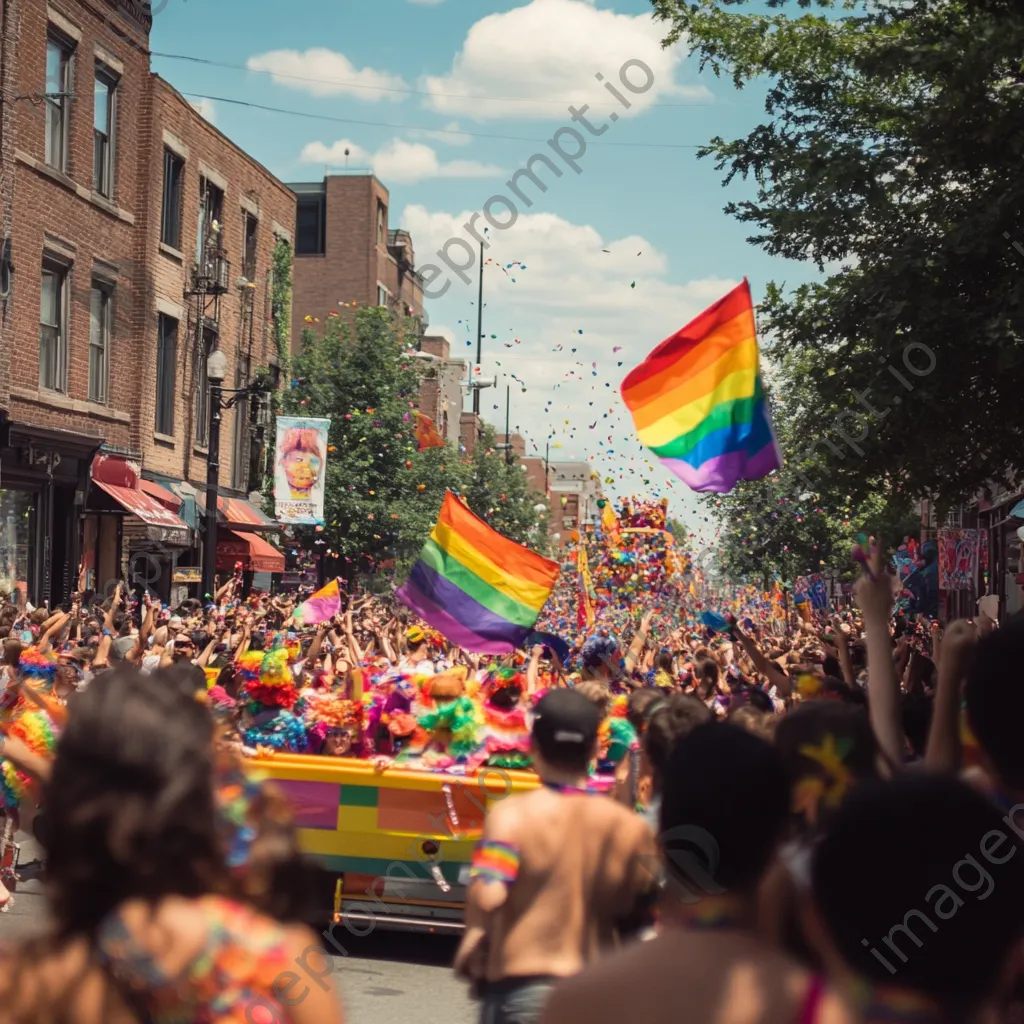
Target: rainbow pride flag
x,y
321,606
698,401
481,590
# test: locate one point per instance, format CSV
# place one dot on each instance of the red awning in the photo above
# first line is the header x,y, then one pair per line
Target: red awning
x,y
140,504
255,554
239,514
166,498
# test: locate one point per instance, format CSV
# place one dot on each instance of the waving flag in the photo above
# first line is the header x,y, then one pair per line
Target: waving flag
x,y
585,608
426,433
698,401
481,590
321,606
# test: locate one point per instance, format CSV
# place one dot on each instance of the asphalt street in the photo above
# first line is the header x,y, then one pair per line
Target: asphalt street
x,y
385,978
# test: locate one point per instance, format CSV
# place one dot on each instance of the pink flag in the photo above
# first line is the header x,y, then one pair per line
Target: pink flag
x,y
321,606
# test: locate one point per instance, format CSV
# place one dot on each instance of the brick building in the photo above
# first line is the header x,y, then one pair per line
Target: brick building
x,y
346,256
441,389
91,309
209,227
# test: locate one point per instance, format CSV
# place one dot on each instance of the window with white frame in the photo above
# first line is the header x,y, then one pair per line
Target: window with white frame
x,y
100,310
58,92
383,296
53,326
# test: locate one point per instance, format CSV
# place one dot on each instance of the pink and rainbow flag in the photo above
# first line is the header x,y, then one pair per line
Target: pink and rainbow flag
x,y
321,606
698,401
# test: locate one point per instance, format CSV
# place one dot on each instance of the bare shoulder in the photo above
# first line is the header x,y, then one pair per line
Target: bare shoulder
x,y
613,979
42,983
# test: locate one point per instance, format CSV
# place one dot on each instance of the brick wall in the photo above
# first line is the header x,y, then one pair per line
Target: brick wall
x,y
9,25
249,190
355,261
58,214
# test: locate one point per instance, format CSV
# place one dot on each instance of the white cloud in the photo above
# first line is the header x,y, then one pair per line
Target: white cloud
x,y
442,331
536,60
572,295
324,72
396,161
205,109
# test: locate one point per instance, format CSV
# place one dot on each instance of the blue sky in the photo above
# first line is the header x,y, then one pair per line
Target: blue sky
x,y
477,68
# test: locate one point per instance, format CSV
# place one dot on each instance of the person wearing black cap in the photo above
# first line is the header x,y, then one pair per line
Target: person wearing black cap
x,y
554,873
725,804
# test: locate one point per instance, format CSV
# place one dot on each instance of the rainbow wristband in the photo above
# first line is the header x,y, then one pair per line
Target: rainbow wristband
x,y
494,862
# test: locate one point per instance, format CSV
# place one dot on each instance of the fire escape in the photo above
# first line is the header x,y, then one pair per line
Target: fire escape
x,y
209,280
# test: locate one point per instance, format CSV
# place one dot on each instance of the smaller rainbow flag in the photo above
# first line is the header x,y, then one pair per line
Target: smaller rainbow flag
x,y
426,433
321,606
698,401
481,590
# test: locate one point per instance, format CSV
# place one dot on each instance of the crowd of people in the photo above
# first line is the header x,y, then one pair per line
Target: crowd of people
x,y
741,817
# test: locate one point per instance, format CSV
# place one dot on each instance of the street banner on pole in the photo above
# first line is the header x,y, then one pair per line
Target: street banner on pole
x,y
300,465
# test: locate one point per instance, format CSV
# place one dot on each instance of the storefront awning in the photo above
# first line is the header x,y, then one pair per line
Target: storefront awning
x,y
238,514
166,498
255,554
119,479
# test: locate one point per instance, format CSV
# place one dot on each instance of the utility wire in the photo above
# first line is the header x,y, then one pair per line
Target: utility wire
x,y
382,88
423,128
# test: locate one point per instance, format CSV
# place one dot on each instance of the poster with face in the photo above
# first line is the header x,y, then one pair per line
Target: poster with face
x,y
300,464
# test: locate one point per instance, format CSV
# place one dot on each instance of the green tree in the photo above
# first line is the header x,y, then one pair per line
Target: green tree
x,y
890,147
496,491
382,496
799,520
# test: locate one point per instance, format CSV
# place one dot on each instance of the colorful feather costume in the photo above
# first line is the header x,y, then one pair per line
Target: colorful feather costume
x,y
275,683
28,723
505,732
277,728
453,728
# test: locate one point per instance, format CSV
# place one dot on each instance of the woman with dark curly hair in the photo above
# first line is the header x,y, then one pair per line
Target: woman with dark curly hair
x,y
151,923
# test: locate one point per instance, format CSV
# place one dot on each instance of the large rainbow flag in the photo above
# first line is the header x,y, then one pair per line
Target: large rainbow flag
x,y
698,401
481,590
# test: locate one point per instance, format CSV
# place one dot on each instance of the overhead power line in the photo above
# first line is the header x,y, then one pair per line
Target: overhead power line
x,y
359,86
423,128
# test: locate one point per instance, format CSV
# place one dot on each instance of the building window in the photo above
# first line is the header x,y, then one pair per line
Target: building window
x,y
249,227
166,373
100,308
53,328
382,223
310,216
104,121
211,211
170,217
202,406
383,296
58,92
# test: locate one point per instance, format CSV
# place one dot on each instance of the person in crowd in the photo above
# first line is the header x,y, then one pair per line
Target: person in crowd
x,y
556,871
914,899
708,962
139,880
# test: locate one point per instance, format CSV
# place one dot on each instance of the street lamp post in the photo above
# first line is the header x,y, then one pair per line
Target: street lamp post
x,y
216,370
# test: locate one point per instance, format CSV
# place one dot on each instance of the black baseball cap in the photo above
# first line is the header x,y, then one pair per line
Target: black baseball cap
x,y
565,726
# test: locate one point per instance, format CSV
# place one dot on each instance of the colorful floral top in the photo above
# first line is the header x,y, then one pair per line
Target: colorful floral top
x,y
230,982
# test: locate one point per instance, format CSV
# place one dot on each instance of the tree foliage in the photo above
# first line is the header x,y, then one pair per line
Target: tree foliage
x,y
382,495
891,148
798,520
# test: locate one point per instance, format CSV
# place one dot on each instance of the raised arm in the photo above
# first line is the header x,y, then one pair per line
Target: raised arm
x,y
873,594
943,751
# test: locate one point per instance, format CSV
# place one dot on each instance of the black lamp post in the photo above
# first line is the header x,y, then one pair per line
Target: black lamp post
x,y
216,369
